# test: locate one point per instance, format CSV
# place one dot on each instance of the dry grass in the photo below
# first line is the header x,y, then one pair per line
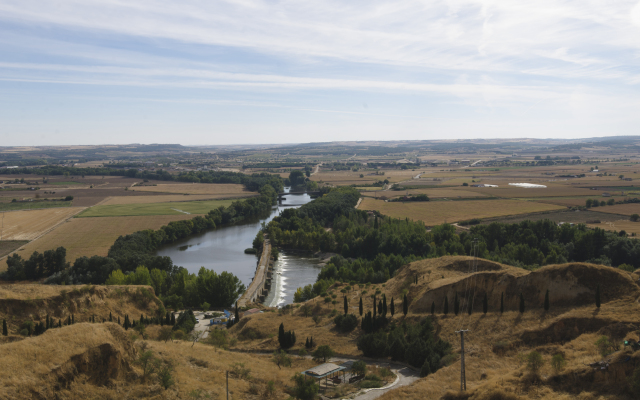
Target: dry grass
x,y
28,225
342,178
93,236
434,193
219,189
438,212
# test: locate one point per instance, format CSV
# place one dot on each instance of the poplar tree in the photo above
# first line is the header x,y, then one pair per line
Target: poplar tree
x,y
5,331
521,303
446,305
405,305
360,308
501,302
598,297
485,304
546,301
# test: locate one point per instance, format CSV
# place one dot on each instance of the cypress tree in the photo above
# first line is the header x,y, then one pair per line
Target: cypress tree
x,y
405,305
73,319
384,305
546,301
237,319
69,320
173,319
501,302
446,305
167,318
485,304
392,307
110,317
360,308
521,303
346,305
5,330
598,297
119,320
456,305
306,343
281,333
379,307
433,307
29,330
374,306
375,223
59,323
141,320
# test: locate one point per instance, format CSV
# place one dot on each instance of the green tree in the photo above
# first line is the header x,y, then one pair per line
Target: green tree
x,y
165,377
237,315
598,297
634,217
588,203
5,331
446,305
392,307
426,368
360,308
558,363
384,305
304,389
546,301
521,303
502,303
346,305
534,362
405,305
148,363
359,368
281,358
322,353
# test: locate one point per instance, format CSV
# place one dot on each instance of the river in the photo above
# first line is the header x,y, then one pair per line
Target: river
x,y
223,250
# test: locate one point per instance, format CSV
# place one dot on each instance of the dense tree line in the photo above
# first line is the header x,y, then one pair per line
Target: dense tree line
x,y
37,266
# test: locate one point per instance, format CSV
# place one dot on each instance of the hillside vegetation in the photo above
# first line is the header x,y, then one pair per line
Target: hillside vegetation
x,y
497,342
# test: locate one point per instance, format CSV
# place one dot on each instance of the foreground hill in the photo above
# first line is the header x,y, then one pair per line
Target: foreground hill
x,y
21,304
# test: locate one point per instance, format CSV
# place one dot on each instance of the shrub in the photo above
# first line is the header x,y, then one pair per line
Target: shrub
x,y
304,389
68,198
240,371
534,362
323,353
558,363
359,367
634,217
346,323
281,358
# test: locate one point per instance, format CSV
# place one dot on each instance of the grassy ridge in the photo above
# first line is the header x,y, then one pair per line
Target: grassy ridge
x,y
126,210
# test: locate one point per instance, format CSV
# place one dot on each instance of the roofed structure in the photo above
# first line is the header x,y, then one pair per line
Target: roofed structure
x,y
323,370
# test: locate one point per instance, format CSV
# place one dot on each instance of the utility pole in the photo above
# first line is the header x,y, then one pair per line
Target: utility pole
x,y
463,377
227,385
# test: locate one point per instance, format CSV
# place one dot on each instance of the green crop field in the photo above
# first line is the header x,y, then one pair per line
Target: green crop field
x,y
173,208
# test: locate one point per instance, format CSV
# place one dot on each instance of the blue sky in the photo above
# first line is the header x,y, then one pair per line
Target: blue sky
x,y
222,72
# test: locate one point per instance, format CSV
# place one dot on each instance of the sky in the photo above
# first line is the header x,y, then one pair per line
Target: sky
x,y
207,72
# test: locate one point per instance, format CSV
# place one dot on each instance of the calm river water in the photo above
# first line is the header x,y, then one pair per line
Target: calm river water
x,y
223,250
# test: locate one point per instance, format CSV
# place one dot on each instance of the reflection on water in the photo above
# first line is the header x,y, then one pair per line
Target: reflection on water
x,y
223,250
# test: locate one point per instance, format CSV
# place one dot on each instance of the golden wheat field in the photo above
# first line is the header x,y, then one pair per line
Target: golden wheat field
x,y
438,212
28,225
93,236
220,189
